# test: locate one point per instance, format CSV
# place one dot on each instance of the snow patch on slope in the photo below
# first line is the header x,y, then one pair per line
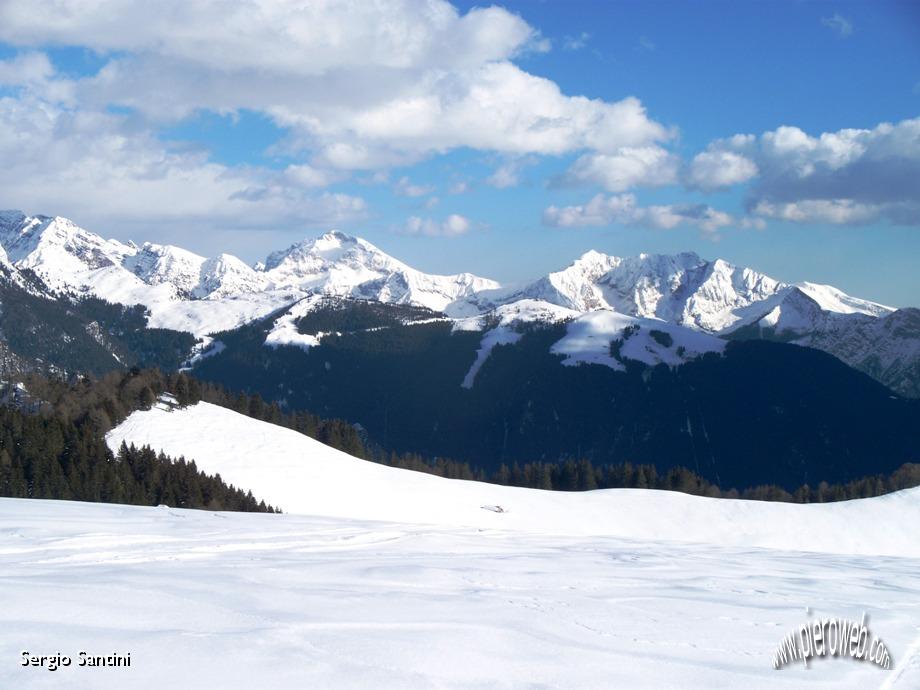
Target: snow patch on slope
x,y
589,337
500,335
284,330
502,327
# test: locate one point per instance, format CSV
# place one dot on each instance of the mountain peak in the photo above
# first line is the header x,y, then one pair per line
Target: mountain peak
x,y
312,253
10,218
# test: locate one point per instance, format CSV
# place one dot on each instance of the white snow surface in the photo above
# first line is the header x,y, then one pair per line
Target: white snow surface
x,y
588,339
389,580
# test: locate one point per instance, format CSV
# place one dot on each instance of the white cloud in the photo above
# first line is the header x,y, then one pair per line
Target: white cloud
x,y
307,176
847,176
839,24
404,187
508,174
836,211
459,187
648,166
452,226
623,209
716,169
26,68
576,42
101,168
33,74
275,36
361,85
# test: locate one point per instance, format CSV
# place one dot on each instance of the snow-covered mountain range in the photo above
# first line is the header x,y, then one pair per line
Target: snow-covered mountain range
x,y
187,292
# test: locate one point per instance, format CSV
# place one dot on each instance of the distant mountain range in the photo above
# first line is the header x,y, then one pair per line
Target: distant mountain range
x,y
664,359
697,303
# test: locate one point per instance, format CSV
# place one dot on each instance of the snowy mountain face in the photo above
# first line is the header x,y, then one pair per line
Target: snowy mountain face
x,y
876,340
188,292
682,289
185,291
344,266
715,298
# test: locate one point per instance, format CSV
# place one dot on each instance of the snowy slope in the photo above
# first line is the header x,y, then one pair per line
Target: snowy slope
x,y
588,340
394,580
239,601
303,476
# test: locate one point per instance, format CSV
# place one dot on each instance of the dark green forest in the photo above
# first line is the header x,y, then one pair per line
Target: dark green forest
x,y
764,413
52,445
82,334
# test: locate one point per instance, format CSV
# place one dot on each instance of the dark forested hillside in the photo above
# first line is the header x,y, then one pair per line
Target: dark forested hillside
x,y
764,413
82,335
52,445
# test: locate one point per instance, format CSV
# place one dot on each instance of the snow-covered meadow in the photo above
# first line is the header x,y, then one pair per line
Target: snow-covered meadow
x,y
382,578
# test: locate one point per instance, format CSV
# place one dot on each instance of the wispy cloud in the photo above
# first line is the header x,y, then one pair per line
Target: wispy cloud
x,y
623,209
404,187
452,226
576,42
838,23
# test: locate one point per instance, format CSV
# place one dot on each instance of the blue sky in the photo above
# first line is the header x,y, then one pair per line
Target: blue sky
x,y
505,141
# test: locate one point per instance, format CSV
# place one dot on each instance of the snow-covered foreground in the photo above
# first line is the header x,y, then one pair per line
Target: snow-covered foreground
x,y
220,600
393,579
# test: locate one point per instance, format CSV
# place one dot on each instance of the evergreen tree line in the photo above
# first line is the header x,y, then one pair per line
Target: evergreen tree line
x,y
92,406
583,475
569,475
46,456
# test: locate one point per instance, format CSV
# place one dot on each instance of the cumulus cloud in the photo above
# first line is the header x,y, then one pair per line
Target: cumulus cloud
x,y
451,226
623,209
847,176
717,169
309,177
276,36
32,73
360,85
647,166
101,167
